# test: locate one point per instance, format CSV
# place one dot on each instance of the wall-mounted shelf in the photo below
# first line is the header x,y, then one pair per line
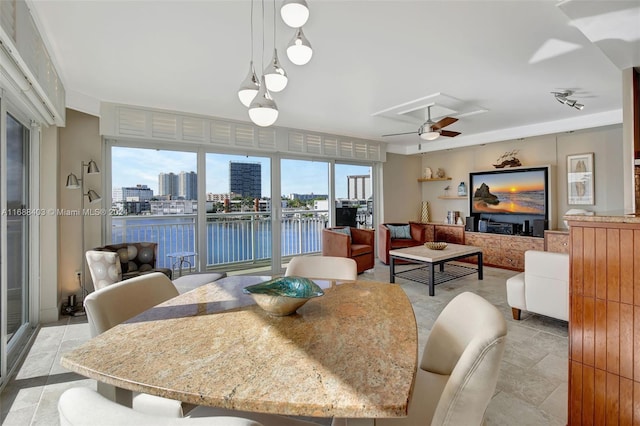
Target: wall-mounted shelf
x,y
442,197
433,179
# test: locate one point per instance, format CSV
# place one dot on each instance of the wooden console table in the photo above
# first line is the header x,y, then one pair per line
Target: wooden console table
x,y
504,251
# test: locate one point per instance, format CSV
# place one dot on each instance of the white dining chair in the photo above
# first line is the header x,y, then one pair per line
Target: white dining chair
x,y
328,267
121,301
83,406
459,369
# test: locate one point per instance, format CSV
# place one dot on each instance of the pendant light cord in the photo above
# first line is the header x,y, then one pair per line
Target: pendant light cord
x,y
262,57
252,30
274,24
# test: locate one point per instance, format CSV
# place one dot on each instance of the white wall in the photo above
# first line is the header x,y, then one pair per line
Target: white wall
x,y
402,199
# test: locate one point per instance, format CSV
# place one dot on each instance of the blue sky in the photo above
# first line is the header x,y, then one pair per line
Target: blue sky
x,y
132,166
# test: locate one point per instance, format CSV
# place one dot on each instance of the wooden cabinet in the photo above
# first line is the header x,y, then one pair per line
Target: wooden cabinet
x,y
450,233
556,241
503,251
604,322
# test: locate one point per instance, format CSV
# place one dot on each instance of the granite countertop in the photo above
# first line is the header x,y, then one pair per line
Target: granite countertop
x,y
611,217
350,353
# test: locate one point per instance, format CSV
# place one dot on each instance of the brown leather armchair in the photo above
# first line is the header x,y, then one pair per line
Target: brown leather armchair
x,y
386,243
359,246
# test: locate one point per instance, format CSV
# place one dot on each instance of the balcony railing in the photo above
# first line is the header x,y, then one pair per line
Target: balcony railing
x,y
231,238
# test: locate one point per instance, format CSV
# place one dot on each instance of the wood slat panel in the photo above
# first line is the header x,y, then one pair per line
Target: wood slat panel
x,y
636,268
575,393
626,340
613,337
577,256
589,262
600,397
589,331
636,403
577,328
626,402
601,263
636,344
613,264
612,401
601,334
626,266
588,395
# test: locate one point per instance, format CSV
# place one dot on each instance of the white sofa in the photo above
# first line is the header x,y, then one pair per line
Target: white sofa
x,y
543,287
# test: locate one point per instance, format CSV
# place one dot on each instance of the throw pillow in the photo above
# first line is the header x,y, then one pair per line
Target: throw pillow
x,y
345,230
400,231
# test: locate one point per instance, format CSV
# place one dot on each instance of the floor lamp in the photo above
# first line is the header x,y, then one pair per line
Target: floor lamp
x,y
73,182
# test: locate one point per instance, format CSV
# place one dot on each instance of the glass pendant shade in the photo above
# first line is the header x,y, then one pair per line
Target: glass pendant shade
x,y
263,110
274,75
299,50
294,13
249,87
72,182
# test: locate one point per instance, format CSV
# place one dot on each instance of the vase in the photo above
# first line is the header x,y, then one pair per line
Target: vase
x,y
424,217
428,174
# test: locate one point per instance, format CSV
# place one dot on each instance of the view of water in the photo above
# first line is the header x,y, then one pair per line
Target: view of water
x,y
228,241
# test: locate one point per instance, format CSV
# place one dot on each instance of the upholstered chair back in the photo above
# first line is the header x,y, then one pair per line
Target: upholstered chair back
x,y
121,301
459,369
328,267
105,267
134,257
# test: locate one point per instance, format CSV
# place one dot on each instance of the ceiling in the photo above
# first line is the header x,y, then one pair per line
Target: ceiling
x,y
500,59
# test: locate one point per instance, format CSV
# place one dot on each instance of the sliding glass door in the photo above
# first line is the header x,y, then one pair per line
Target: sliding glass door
x,y
305,206
354,193
15,237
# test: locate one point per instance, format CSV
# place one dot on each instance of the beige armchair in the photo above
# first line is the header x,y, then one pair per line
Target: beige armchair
x,y
328,267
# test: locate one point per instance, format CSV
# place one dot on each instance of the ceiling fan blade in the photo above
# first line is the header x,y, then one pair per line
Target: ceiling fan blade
x,y
444,122
398,134
449,133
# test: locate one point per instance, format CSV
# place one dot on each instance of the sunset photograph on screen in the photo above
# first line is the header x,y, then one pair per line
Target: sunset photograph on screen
x,y
511,192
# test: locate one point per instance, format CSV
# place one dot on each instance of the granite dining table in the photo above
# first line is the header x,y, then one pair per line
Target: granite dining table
x,y
351,353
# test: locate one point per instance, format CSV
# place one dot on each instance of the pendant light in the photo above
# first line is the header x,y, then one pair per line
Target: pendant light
x,y
294,13
263,110
299,50
250,85
274,75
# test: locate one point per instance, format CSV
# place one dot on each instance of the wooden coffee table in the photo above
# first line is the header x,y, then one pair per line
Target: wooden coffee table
x,y
427,259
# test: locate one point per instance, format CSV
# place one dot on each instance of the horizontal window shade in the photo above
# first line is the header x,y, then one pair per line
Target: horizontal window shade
x,y
135,122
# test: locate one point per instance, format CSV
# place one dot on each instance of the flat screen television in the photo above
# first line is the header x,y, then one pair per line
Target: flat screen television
x,y
503,193
346,216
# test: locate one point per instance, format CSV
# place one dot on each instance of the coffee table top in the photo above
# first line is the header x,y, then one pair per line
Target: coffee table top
x,y
424,254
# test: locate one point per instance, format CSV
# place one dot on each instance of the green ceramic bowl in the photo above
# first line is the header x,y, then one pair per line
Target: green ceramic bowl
x,y
283,296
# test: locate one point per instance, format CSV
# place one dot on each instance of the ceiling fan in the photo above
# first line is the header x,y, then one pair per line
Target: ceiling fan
x,y
430,130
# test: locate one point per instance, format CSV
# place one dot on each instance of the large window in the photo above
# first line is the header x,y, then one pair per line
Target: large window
x,y
239,228
234,221
154,197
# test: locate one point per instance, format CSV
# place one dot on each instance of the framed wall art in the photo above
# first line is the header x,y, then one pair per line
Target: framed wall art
x,y
580,181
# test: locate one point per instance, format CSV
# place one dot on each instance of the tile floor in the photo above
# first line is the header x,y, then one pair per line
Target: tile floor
x,y
531,390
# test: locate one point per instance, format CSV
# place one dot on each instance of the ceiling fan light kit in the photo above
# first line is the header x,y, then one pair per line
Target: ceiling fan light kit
x,y
255,93
563,98
431,131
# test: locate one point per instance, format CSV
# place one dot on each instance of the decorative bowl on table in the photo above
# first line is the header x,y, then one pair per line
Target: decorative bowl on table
x,y
283,296
435,245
